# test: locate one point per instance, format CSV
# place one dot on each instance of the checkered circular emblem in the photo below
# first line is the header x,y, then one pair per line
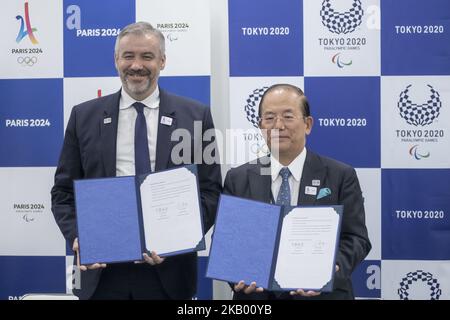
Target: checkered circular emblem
x,y
435,291
251,108
419,114
338,22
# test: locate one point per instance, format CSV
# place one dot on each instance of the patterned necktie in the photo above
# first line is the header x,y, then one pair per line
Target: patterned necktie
x,y
284,195
141,153
284,199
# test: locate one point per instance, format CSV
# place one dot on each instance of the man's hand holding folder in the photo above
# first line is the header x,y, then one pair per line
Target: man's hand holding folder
x,y
76,249
154,259
253,288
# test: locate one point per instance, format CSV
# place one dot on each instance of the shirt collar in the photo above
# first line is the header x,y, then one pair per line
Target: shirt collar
x,y
295,167
152,101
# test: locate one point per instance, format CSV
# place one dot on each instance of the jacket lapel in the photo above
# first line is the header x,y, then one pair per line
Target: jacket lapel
x,y
108,133
260,184
163,143
313,169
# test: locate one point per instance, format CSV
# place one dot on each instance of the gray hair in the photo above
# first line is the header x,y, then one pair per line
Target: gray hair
x,y
304,103
141,28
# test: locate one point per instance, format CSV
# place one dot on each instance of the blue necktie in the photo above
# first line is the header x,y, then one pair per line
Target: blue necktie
x,y
141,153
284,195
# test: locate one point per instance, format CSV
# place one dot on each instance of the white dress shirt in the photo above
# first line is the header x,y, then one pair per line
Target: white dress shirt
x,y
125,131
296,169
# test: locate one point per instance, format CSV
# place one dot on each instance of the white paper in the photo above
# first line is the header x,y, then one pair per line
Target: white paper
x,y
171,211
307,248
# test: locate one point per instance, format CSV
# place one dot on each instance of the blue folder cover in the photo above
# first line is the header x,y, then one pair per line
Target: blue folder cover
x,y
108,220
244,241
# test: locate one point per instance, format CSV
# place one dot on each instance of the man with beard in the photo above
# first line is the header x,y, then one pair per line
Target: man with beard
x,y
127,133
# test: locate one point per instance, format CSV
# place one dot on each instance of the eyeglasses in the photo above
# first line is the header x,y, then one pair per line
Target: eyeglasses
x,y
287,118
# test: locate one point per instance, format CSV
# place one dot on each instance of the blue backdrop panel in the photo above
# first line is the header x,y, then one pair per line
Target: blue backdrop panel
x,y
347,118
268,41
90,31
204,285
415,37
31,118
194,87
415,220
42,274
366,279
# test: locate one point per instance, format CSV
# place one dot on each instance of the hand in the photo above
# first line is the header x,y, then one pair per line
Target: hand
x,y
76,249
302,292
154,259
247,289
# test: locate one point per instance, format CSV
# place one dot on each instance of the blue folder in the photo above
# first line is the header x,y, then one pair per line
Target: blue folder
x,y
109,219
245,242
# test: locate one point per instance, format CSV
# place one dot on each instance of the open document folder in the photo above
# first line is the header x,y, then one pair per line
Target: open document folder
x,y
280,248
122,217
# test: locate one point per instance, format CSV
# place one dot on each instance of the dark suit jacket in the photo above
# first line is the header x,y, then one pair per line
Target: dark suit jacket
x,y
247,182
89,151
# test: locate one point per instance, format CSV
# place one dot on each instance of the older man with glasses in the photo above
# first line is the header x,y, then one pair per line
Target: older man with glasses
x,y
289,175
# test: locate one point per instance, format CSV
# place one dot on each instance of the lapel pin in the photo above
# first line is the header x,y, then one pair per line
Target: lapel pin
x,y
316,183
166,120
311,190
107,120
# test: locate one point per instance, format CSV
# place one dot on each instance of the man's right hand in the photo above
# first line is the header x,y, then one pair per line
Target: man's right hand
x,y
247,289
94,266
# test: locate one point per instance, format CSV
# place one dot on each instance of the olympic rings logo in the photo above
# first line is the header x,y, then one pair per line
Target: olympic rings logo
x,y
259,150
27,61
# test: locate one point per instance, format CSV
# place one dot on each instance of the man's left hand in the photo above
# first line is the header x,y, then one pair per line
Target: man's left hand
x,y
302,292
154,259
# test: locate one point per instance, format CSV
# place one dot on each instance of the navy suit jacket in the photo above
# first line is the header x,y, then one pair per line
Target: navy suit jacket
x,y
246,181
89,151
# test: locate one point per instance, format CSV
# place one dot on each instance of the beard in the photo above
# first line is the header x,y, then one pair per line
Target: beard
x,y
137,87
